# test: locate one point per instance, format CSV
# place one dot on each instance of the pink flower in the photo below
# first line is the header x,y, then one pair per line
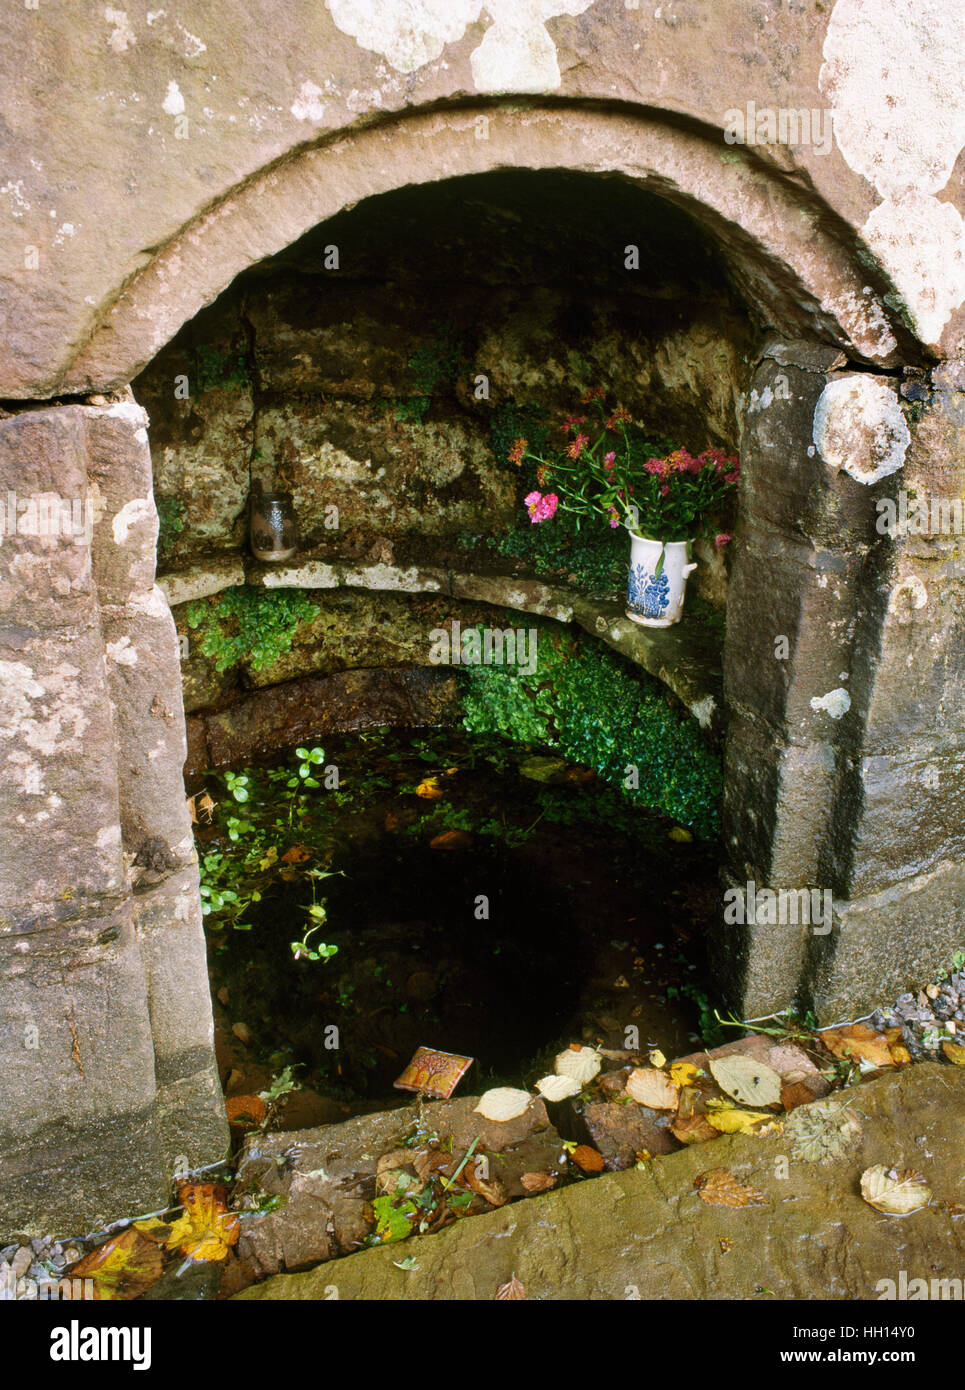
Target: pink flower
x,y
541,508
664,490
577,446
614,518
722,539
731,477
609,461
570,422
515,454
655,466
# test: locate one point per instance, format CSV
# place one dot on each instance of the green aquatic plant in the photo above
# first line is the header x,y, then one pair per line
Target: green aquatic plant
x,y
598,710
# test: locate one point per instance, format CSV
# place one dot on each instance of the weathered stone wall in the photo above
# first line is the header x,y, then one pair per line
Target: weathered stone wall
x,y
106,1062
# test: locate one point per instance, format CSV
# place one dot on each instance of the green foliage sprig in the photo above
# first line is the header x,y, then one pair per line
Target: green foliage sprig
x,y
247,624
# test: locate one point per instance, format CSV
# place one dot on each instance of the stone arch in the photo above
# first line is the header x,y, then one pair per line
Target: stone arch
x,y
797,264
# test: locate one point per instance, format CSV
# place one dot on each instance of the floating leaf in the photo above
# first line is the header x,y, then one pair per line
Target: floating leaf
x,y
297,854
653,1088
678,833
503,1103
745,1080
729,1121
558,1087
955,1053
245,1108
512,1290
207,1228
122,1268
720,1188
893,1191
537,1182
590,1160
860,1043
657,1059
581,1063
392,1222
683,1073
451,839
430,790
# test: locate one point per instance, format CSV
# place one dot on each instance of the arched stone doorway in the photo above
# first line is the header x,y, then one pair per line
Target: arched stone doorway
x,y
106,938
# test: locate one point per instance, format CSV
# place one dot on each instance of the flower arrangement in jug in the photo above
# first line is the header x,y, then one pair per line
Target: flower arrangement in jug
x,y
607,470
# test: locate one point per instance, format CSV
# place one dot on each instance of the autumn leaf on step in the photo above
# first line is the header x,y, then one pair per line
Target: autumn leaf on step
x,y
206,1229
727,1120
747,1081
720,1188
692,1129
590,1160
653,1088
894,1191
683,1073
490,1188
858,1042
512,1290
451,839
537,1182
430,790
122,1268
297,854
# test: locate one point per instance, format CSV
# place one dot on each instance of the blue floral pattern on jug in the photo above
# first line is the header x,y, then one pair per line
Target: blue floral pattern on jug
x,y
648,596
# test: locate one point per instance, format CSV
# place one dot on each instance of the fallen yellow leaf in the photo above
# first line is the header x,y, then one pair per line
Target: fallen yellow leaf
x,y
122,1268
955,1053
683,1073
207,1228
429,790
729,1121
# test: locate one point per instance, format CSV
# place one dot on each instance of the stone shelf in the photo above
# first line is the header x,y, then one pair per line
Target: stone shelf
x,y
687,658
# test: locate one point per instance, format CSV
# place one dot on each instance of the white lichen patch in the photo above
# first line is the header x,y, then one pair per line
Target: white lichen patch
x,y
858,426
13,191
173,103
122,651
893,73
308,105
835,703
133,512
408,33
517,53
922,242
47,717
122,35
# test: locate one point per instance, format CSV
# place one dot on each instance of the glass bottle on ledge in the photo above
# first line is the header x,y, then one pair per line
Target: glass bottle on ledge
x,y
273,530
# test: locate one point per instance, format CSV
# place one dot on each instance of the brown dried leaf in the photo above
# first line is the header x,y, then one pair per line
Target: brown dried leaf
x,y
894,1191
512,1290
860,1042
693,1129
590,1160
719,1188
537,1182
245,1110
451,839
